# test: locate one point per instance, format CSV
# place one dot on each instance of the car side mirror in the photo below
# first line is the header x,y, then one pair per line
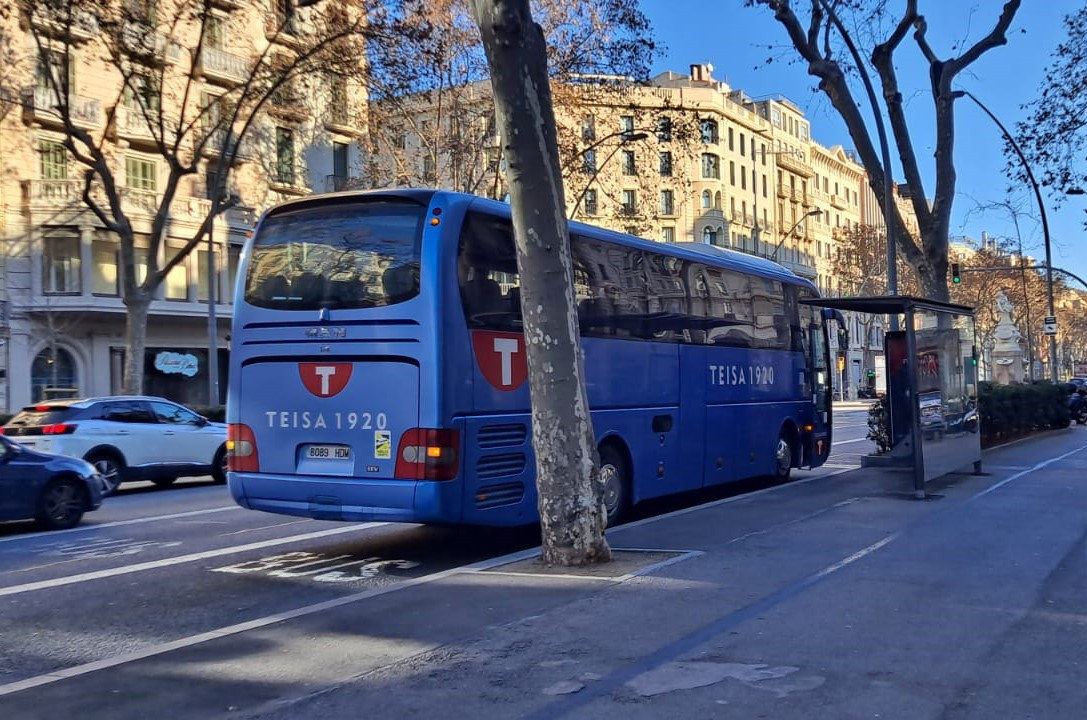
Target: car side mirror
x,y
202,421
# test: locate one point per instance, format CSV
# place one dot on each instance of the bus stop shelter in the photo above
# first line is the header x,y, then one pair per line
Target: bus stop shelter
x,y
931,366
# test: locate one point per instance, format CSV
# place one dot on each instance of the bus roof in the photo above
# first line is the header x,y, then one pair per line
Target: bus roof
x,y
699,252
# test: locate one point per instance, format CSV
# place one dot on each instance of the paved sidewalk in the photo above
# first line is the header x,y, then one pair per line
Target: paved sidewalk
x,y
841,597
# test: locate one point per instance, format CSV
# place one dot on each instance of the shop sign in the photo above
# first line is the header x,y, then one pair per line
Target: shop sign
x,y
172,363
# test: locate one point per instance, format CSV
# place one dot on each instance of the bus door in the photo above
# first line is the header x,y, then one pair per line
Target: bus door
x,y
817,447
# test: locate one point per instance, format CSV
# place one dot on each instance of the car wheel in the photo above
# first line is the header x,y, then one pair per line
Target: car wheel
x,y
783,456
218,466
615,477
61,505
110,468
164,481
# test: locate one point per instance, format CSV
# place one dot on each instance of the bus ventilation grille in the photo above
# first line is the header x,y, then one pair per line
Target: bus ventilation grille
x,y
493,436
496,466
496,495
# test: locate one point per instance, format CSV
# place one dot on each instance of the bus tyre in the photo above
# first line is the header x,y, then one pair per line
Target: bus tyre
x,y
783,456
615,478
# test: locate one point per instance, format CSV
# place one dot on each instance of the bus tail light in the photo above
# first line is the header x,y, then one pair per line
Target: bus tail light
x,y
241,449
428,454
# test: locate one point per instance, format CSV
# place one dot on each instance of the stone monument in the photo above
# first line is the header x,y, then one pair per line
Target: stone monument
x,y
1007,352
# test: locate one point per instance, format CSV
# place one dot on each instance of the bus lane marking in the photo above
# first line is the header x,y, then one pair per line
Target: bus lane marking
x,y
318,567
182,559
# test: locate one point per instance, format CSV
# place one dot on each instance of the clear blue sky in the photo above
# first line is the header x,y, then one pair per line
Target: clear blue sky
x,y
738,41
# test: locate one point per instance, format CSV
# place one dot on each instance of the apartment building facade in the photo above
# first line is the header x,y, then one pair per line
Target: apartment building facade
x,y
63,317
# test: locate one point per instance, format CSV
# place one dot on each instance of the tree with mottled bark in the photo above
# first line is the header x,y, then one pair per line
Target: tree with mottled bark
x,y
820,42
153,56
571,498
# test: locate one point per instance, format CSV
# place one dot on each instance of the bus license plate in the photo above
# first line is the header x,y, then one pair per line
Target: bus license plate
x,y
328,452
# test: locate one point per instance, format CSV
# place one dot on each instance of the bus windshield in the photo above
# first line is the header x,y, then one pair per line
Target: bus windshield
x,y
353,255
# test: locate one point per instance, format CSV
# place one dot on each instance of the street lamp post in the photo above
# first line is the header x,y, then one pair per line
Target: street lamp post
x,y
805,216
627,137
1053,374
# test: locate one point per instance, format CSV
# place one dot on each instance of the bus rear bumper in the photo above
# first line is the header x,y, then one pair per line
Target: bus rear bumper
x,y
347,499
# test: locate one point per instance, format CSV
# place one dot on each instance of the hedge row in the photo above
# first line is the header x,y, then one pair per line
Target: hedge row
x,y
1006,412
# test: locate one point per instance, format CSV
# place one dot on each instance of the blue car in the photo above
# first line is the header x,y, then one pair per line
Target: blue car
x,y
52,489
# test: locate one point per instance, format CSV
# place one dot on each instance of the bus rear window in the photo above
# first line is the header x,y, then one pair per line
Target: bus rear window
x,y
343,256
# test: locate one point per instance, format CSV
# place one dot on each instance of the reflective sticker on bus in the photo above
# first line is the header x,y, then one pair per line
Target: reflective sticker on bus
x,y
325,379
501,358
383,448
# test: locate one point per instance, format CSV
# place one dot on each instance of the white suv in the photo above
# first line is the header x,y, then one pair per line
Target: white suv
x,y
126,438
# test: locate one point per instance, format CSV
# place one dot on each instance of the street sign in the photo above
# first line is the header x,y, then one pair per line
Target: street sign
x,y
1050,324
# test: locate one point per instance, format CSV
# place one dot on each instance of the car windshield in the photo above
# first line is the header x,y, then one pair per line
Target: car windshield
x,y
356,255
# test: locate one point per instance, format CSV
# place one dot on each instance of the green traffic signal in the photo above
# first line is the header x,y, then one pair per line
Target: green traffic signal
x,y
955,277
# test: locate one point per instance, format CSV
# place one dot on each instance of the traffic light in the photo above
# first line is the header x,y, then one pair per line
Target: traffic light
x,y
955,277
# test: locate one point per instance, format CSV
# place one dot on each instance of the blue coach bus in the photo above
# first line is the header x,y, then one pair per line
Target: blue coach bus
x,y
378,364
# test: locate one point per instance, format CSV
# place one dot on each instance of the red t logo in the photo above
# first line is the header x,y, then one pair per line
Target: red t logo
x,y
325,379
501,358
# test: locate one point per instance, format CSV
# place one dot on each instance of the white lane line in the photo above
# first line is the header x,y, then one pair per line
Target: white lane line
x,y
846,442
192,640
1027,471
266,527
154,564
53,534
186,642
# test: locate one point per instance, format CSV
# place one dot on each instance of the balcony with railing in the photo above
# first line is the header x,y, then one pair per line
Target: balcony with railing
x,y
84,24
225,66
794,162
838,201
132,124
41,105
67,193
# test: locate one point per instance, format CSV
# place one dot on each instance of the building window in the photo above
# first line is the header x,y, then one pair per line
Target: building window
x,y
214,32
202,275
588,129
668,234
140,174
339,165
142,94
588,161
53,374
711,166
664,129
666,164
591,208
630,201
709,131
732,173
104,253
233,256
61,264
177,280
285,156
667,203
53,160
743,148
626,126
709,236
707,200
731,139
629,167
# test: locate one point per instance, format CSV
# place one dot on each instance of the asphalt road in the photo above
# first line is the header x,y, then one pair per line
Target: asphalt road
x,y
173,565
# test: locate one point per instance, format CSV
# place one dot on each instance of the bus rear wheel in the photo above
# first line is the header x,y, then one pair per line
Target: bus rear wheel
x,y
783,456
615,477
